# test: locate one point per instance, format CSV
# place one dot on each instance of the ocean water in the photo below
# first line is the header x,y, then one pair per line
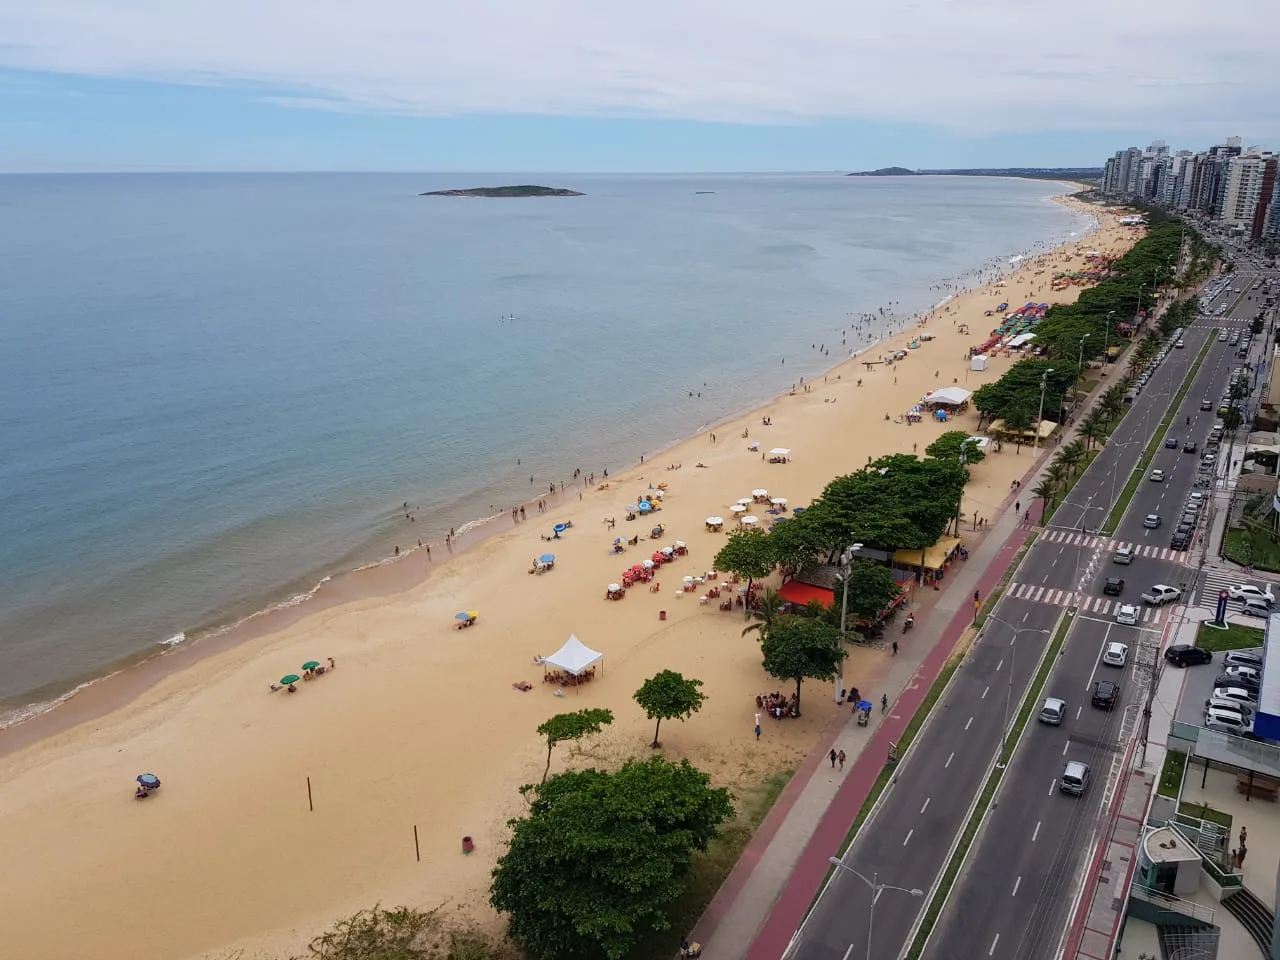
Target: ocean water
x,y
217,389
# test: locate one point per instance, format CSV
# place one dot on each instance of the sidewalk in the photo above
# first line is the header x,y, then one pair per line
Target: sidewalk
x,y
782,868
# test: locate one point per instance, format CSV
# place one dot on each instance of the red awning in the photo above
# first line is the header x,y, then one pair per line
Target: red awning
x,y
801,593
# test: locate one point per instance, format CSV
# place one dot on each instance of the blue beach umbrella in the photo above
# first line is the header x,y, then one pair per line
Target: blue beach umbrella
x,y
462,616
559,528
863,705
630,508
547,558
149,780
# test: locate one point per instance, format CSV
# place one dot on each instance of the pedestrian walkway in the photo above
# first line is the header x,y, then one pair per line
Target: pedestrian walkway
x,y
1078,539
1102,606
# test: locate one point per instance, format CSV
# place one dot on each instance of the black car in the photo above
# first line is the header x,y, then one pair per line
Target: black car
x,y
1171,443
1180,541
1206,404
1230,680
1113,586
1187,655
1189,447
1105,694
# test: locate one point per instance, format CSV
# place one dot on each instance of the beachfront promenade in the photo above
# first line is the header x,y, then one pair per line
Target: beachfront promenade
x,y
765,898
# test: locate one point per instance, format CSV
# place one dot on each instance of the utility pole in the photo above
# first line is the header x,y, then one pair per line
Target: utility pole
x,y
846,561
1044,383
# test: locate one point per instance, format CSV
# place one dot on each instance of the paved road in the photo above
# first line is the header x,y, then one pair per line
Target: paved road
x,y
906,843
1017,886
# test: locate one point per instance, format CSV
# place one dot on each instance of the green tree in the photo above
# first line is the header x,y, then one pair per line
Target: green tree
x,y
669,696
600,857
1094,427
802,539
1232,418
1072,456
572,726
798,648
748,553
1018,421
949,445
765,613
1046,491
871,589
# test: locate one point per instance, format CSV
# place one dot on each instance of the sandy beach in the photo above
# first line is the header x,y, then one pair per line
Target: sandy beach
x,y
419,724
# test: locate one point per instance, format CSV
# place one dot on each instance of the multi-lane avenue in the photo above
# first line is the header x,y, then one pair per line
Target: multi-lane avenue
x,y
1012,897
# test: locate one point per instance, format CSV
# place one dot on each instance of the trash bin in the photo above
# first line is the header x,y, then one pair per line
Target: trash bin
x,y
662,614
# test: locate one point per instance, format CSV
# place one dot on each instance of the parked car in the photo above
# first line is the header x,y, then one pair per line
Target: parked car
x,y
1116,654
1225,703
1240,695
1187,655
1105,694
1232,680
1113,586
1245,674
1189,447
1245,658
1227,721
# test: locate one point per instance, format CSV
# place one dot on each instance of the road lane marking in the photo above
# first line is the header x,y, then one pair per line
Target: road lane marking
x,y
907,838
1025,615
1000,664
988,690
926,804
970,720
1065,747
949,759
992,951
1078,709
849,951
1017,883
1036,832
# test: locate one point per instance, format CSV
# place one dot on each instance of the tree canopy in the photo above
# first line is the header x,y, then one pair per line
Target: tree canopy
x,y
669,696
748,553
950,444
871,589
799,648
1018,391
600,856
572,726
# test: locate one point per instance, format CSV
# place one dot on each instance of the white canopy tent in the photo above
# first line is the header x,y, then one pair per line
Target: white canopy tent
x,y
574,657
949,396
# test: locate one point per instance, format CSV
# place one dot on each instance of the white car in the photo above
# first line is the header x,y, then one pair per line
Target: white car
x,y
1151,521
1241,672
1116,654
1127,614
1157,476
1247,591
1227,721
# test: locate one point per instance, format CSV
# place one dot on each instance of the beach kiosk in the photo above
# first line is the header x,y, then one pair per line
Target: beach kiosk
x,y
575,658
780,455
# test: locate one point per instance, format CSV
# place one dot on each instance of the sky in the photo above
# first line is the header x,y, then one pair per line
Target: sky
x,y
594,86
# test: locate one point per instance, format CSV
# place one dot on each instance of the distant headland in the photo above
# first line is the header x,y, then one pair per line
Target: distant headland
x,y
1027,173
524,190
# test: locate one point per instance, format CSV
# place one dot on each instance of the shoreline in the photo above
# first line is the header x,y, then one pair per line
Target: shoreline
x,y
420,731
28,723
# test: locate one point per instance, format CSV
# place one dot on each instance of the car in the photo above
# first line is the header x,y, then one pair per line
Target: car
x,y
1241,695
1116,654
1206,404
1113,587
1160,594
1157,476
1233,706
1127,614
1256,608
1105,694
1188,520
1222,338
1180,344
1075,778
1054,710
1151,521
1171,443
1180,541
1244,658
1227,721
1187,655
1246,591
1189,447
1246,674
1208,459
1232,680
1197,496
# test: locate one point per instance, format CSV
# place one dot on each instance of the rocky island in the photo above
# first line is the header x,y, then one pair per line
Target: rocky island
x,y
524,190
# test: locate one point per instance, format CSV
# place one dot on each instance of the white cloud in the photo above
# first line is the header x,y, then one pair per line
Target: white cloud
x,y
1184,66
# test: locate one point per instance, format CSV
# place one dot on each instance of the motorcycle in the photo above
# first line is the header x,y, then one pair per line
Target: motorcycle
x,y
909,622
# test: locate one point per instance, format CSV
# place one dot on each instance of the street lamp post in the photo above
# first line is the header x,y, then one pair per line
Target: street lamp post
x,y
1044,383
876,888
1079,375
1106,346
1008,698
846,562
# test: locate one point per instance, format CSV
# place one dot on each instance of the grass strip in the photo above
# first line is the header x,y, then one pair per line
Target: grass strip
x,y
1232,637
1175,765
952,871
1140,471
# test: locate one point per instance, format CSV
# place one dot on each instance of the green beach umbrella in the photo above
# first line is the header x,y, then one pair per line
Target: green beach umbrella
x,y
289,678
311,665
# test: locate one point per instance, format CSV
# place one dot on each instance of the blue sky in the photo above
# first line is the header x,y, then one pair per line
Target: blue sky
x,y
575,85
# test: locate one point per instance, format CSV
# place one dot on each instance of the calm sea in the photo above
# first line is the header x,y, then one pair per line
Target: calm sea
x,y
216,389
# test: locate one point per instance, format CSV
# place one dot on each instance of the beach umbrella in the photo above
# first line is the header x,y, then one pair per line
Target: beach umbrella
x,y
473,614
645,506
658,557
559,528
779,501
647,565
289,678
617,541
614,588
667,552
149,780
862,705
715,521
748,521
548,558
637,568
738,508
744,501
311,665
760,493
456,616
630,508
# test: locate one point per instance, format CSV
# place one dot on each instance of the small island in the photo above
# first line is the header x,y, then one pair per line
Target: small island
x,y
885,172
524,190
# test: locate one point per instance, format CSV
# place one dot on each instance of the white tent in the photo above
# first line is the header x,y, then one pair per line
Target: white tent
x,y
949,396
574,657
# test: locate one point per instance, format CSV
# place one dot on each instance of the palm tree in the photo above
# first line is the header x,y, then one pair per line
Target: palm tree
x,y
1072,455
1056,473
1017,421
765,614
1093,428
1046,492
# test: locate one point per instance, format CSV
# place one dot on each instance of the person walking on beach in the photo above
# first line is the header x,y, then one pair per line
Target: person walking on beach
x,y
833,756
757,726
